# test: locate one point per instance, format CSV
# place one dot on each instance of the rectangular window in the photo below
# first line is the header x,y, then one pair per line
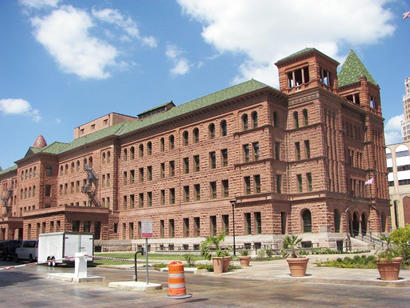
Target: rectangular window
x,y
245,152
224,157
186,165
248,224
141,174
161,228
132,201
297,150
108,180
76,226
258,222
124,202
283,222
125,178
171,168
162,196
212,160
212,186
257,181
213,225
149,198
49,171
196,163
279,183
225,188
197,189
162,170
225,224
186,227
309,181
277,150
172,195
171,228
197,225
299,178
77,186
247,182
48,191
255,147
141,200
132,176
149,173
307,149
186,193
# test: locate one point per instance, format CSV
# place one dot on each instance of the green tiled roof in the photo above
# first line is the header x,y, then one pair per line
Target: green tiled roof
x,y
156,107
130,126
12,168
208,100
352,69
298,53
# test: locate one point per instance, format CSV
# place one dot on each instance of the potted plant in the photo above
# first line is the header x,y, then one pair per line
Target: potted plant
x,y
222,259
388,263
297,265
244,259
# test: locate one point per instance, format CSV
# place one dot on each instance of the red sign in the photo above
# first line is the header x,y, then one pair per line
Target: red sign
x,y
146,228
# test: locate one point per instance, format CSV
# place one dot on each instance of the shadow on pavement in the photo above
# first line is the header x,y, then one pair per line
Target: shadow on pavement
x,y
11,277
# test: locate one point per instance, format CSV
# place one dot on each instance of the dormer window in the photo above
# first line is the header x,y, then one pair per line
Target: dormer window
x,y
354,98
298,77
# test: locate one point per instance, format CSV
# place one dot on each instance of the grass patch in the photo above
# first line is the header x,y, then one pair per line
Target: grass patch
x,y
210,267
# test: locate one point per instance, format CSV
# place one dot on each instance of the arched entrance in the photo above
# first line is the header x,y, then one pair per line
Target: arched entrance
x,y
364,224
307,221
355,224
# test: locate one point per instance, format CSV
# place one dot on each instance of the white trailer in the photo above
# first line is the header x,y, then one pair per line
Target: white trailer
x,y
59,246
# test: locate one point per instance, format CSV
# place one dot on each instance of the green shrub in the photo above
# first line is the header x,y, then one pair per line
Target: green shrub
x,y
269,253
261,254
189,258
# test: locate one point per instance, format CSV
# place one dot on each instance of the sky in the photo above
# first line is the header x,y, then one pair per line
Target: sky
x,y
64,63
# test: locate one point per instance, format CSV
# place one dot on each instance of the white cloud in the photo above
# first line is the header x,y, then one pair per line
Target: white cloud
x,y
266,30
181,64
65,34
37,4
392,130
126,23
18,106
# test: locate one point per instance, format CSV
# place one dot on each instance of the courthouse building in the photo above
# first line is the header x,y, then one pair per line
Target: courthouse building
x,y
287,161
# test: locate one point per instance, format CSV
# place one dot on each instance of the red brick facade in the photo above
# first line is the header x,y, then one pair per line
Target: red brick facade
x,y
295,161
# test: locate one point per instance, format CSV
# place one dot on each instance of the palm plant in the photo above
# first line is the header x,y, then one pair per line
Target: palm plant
x,y
290,243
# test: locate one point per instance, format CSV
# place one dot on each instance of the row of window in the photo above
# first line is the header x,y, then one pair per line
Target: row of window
x,y
306,150
353,131
27,192
28,173
74,187
247,153
354,158
296,118
357,188
245,120
76,167
308,182
252,184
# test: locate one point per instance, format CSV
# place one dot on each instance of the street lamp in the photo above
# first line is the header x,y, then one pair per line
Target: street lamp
x,y
233,203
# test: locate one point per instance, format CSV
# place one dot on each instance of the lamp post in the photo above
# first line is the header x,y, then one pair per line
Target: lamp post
x,y
233,203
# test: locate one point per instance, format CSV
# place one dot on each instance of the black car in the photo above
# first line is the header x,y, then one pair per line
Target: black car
x,y
8,249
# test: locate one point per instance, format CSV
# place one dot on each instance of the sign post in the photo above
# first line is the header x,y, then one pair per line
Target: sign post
x,y
146,231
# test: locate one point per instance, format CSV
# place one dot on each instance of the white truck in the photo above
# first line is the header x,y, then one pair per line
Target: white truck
x,y
60,247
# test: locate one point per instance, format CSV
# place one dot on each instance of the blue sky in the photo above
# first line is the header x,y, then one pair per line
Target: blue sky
x,y
64,63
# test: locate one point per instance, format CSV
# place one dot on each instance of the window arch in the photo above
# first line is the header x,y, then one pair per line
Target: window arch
x,y
195,136
224,128
149,148
245,123
305,117
336,220
162,144
254,116
185,136
211,131
132,153
296,119
171,142
307,221
141,150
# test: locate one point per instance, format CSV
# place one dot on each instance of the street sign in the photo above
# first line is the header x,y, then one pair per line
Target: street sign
x,y
146,228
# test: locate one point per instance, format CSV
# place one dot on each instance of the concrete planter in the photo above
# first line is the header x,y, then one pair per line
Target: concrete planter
x,y
389,270
297,266
218,265
245,260
226,261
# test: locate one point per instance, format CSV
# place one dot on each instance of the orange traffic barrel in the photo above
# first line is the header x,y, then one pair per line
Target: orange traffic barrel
x,y
176,281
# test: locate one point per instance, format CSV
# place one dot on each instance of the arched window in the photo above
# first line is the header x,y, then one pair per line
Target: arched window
x,y
185,137
72,167
224,128
305,117
211,130
84,162
364,224
307,221
171,142
296,119
78,165
125,155
245,123
195,136
104,158
149,148
254,117
336,220
162,144
132,153
90,162
108,156
275,119
141,150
